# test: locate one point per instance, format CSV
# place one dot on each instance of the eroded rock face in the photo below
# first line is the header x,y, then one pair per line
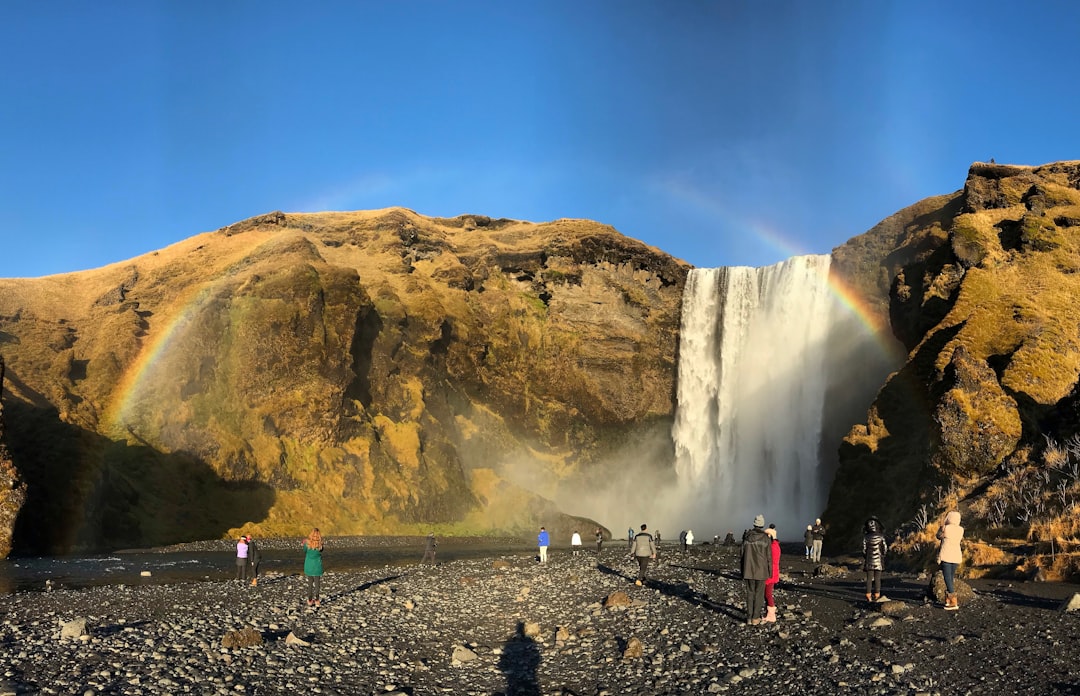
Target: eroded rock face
x,y
371,372
983,296
12,489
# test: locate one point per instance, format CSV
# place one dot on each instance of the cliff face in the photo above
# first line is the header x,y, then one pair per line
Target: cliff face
x,y
12,489
983,296
370,372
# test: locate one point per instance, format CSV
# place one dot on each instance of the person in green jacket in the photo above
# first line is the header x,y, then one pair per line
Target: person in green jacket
x,y
313,547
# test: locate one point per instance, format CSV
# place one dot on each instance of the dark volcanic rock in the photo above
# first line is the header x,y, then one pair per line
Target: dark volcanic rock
x,y
420,630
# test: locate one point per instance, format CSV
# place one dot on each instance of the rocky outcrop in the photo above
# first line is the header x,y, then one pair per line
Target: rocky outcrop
x,y
12,489
983,288
370,372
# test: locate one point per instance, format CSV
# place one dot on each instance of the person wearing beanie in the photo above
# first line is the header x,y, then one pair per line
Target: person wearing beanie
x,y
756,568
774,576
950,556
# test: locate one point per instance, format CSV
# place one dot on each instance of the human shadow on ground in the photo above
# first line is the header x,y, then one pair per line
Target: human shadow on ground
x,y
360,588
113,629
519,662
680,590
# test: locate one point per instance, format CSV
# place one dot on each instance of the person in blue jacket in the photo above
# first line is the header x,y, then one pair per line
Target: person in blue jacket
x,y
543,540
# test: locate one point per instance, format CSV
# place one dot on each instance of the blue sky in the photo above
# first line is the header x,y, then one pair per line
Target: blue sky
x,y
725,133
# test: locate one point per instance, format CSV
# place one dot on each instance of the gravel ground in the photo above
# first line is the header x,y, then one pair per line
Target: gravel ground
x,y
508,625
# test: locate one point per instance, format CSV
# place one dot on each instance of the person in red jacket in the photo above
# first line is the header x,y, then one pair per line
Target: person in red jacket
x,y
774,576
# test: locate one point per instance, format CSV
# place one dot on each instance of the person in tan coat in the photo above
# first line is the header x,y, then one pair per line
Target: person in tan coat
x,y
950,556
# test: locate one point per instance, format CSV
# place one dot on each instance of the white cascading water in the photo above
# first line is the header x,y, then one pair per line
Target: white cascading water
x,y
752,382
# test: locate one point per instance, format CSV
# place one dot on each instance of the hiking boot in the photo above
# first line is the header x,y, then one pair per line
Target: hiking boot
x,y
254,582
950,602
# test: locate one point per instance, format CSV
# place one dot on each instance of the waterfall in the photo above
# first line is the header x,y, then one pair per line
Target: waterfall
x,y
751,388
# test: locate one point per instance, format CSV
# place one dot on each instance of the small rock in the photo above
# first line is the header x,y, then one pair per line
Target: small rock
x,y
74,628
634,648
462,654
292,639
243,638
1072,603
617,599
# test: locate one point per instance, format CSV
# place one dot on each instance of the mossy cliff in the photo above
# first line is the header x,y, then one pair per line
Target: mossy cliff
x,y
982,293
368,372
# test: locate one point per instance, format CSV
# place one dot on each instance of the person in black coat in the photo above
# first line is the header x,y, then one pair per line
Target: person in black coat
x,y
874,550
756,568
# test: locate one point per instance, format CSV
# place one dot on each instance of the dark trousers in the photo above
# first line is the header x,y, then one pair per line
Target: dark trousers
x,y
643,565
873,582
241,568
755,598
255,569
313,583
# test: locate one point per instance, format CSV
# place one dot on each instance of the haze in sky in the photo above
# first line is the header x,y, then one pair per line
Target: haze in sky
x,y
723,132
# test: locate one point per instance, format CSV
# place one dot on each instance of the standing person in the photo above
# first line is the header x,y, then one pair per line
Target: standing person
x,y
818,534
429,548
689,539
543,540
255,556
241,558
874,549
629,537
599,540
682,540
643,549
774,575
755,568
575,542
808,539
313,570
950,556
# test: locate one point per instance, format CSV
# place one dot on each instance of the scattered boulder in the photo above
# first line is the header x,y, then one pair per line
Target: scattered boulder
x,y
829,571
462,655
76,628
617,599
532,630
243,638
499,564
893,608
634,649
936,590
293,639
1072,603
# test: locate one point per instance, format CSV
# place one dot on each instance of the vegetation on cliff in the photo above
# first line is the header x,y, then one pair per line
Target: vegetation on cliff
x,y
983,414
369,372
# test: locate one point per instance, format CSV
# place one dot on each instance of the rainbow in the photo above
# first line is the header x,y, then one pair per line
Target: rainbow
x,y
785,247
124,396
